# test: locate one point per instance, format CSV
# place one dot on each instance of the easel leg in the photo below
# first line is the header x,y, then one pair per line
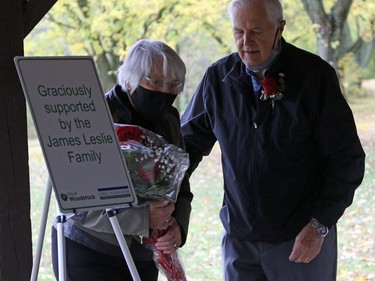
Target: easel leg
x,y
124,247
60,220
42,231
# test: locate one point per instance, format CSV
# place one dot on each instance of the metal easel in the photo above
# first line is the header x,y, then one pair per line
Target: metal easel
x,y
60,220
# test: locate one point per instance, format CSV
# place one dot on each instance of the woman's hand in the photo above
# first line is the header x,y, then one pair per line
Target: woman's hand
x,y
171,240
160,214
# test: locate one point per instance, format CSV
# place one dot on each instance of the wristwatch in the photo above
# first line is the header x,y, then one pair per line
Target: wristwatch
x,y
322,230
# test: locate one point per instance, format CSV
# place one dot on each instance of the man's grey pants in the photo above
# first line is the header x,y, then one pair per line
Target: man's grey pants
x,y
256,261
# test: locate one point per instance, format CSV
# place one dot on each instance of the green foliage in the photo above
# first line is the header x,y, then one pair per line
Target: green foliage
x,y
343,27
361,19
298,30
200,31
351,76
369,71
106,29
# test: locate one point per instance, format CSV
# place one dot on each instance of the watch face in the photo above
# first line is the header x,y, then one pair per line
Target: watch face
x,y
322,230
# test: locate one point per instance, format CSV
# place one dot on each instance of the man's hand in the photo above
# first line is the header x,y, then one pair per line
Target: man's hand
x,y
306,246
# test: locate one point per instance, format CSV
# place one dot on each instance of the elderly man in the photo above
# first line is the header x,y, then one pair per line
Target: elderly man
x,y
291,156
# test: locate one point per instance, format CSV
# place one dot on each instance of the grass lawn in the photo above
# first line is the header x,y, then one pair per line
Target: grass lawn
x,y
201,254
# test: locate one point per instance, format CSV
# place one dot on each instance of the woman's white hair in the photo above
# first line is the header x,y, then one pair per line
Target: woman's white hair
x,y
274,8
141,59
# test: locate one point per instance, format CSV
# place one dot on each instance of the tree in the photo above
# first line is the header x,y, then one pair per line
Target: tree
x,y
104,29
338,34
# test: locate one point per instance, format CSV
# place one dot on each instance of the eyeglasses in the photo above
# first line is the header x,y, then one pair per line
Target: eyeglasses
x,y
159,84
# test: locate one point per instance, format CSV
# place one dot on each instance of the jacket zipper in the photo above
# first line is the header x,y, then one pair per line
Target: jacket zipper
x,y
254,180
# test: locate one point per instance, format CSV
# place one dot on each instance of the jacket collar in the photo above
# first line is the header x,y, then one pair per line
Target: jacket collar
x,y
278,65
237,74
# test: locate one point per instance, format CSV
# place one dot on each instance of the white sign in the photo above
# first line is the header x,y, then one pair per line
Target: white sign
x,y
76,132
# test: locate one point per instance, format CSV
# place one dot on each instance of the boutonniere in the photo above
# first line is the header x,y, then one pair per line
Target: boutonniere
x,y
272,88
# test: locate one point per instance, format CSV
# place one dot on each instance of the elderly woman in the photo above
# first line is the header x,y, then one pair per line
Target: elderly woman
x,y
149,81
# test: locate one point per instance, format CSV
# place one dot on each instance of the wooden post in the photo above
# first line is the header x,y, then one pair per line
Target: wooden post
x,y
15,224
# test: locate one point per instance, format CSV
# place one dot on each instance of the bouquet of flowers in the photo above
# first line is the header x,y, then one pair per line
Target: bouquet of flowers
x,y
156,169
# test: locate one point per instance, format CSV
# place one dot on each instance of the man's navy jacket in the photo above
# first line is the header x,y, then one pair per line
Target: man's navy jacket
x,y
282,165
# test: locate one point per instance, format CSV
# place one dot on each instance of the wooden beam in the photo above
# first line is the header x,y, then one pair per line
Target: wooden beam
x,y
33,12
15,224
18,18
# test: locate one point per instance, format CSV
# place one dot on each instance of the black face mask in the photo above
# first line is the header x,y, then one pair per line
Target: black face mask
x,y
151,104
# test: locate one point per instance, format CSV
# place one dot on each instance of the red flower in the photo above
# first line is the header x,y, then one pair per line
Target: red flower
x,y
148,173
270,86
125,133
